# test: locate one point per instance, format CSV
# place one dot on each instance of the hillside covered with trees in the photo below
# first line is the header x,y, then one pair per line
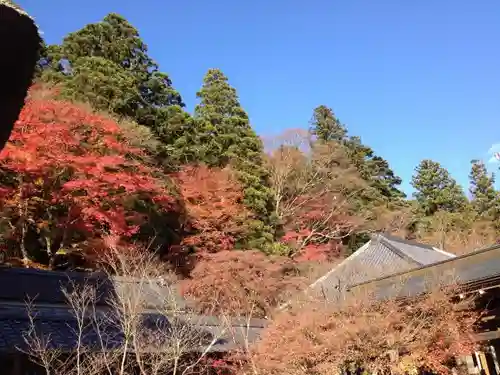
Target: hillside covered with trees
x,y
105,155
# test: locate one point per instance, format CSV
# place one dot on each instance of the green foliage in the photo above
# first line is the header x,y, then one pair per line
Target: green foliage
x,y
101,82
485,199
326,126
226,137
107,64
436,190
114,39
178,133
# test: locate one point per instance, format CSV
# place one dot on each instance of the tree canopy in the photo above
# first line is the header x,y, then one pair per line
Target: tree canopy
x,y
312,194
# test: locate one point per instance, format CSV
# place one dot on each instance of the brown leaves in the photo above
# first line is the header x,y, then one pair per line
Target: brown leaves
x,y
213,202
315,186
242,282
375,335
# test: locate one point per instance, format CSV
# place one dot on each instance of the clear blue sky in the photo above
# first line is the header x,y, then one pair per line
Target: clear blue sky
x,y
415,79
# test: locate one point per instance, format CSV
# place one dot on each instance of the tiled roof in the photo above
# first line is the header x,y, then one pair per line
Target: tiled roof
x,y
421,253
46,287
381,256
57,326
471,270
55,320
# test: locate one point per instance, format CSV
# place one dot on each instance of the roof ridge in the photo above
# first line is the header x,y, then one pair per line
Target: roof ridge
x,y
330,271
50,273
416,244
450,255
407,242
402,254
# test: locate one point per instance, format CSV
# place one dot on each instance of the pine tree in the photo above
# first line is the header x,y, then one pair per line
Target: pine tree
x,y
326,126
485,199
383,178
436,190
116,41
226,137
108,65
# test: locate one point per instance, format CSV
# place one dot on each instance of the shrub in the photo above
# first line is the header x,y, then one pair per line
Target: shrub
x,y
391,336
242,282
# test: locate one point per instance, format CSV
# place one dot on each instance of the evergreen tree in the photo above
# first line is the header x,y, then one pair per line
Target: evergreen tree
x,y
117,42
325,126
226,137
383,178
114,39
179,135
107,64
436,190
374,169
483,193
101,82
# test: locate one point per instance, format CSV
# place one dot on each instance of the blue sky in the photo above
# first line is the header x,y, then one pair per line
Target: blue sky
x,y
415,79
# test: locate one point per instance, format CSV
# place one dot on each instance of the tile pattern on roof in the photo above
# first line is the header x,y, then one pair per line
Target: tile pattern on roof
x,y
59,327
53,317
46,287
471,268
372,261
381,256
423,254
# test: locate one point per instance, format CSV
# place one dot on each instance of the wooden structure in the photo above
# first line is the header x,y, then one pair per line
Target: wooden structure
x,y
477,272
55,319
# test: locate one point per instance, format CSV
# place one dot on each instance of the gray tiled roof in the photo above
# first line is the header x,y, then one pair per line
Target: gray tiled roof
x,y
46,287
421,253
54,318
474,268
19,284
57,327
381,256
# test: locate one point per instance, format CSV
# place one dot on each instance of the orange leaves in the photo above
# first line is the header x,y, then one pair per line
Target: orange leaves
x,y
241,282
314,186
213,202
77,171
324,337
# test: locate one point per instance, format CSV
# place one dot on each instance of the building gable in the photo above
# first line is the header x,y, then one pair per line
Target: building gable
x,y
381,256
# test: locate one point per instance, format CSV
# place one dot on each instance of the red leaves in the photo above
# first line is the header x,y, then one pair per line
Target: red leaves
x,y
241,282
86,167
213,202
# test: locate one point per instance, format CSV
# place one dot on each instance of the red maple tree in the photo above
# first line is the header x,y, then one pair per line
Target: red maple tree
x,y
68,176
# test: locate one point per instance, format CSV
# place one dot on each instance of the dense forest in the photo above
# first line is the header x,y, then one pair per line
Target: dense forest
x,y
105,155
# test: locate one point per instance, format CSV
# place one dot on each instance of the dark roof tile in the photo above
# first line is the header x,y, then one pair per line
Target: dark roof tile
x,y
473,268
381,256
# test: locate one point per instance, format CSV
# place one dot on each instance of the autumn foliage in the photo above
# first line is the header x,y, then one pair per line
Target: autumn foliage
x,y
68,177
314,190
213,201
377,336
242,282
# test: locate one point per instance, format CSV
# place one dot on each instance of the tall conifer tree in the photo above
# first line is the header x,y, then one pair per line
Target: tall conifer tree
x,y
226,138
